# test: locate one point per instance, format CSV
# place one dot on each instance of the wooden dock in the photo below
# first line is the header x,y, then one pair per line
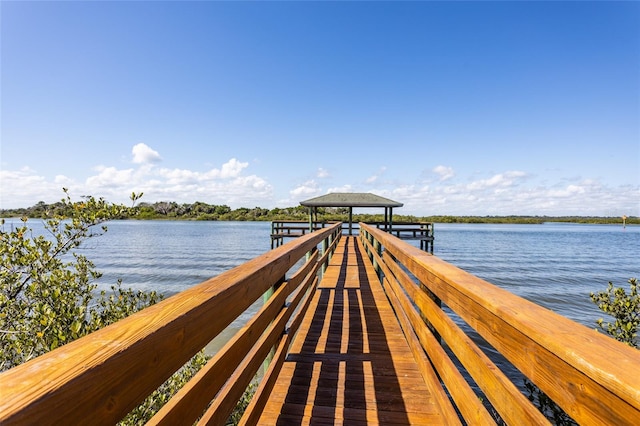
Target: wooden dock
x,y
358,330
418,231
350,362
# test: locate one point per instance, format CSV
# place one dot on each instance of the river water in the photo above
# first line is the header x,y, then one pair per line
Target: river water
x,y
554,265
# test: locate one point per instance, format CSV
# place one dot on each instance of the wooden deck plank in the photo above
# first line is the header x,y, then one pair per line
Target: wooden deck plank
x,y
349,363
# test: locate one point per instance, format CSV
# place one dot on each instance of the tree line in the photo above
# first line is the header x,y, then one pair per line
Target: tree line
x,y
203,211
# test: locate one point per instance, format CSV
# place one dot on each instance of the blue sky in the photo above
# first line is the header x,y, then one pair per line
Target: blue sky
x,y
468,108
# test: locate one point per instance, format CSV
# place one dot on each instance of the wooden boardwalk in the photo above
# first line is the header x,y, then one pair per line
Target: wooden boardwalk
x,y
350,363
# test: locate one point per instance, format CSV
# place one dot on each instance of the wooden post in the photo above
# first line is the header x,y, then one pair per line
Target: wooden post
x,y
326,243
375,244
272,233
350,220
265,298
378,248
386,219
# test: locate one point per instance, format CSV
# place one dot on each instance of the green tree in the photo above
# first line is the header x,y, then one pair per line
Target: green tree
x,y
47,289
48,292
222,209
624,308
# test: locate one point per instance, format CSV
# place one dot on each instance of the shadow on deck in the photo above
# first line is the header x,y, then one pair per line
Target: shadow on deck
x,y
350,361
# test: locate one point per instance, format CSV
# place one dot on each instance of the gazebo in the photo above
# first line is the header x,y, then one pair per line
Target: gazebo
x,y
351,200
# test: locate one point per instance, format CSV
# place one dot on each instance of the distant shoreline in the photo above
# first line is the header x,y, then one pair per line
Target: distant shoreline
x,y
170,210
487,220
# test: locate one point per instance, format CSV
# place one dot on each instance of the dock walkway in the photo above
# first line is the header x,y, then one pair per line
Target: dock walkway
x,y
350,362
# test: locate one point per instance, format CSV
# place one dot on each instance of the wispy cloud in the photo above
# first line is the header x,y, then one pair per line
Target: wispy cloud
x,y
343,188
374,178
503,180
322,173
444,172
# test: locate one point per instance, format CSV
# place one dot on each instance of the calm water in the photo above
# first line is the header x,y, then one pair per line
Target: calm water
x,y
170,256
554,265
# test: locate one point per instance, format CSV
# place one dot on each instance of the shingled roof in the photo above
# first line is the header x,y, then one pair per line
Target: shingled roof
x,y
350,199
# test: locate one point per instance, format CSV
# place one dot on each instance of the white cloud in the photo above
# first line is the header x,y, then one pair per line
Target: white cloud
x,y
226,184
143,154
307,189
179,176
62,180
322,173
374,178
500,180
232,168
509,192
110,177
570,190
24,188
513,192
343,188
444,172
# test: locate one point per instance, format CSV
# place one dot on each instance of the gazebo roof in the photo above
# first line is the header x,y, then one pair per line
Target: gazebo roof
x,y
350,199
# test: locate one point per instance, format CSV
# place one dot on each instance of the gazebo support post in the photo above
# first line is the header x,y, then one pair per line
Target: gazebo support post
x,y
350,220
386,219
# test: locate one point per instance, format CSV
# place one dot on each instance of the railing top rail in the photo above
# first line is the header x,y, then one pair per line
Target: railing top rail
x,y
107,373
544,345
401,222
304,221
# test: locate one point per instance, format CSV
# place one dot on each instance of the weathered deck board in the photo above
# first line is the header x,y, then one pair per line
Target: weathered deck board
x,y
349,362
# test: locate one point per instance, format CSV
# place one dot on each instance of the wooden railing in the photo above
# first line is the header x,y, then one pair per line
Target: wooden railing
x,y
281,229
454,322
99,378
419,231
592,377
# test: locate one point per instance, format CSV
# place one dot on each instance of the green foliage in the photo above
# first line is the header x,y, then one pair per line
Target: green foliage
x,y
547,406
47,290
624,308
48,295
134,198
242,405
